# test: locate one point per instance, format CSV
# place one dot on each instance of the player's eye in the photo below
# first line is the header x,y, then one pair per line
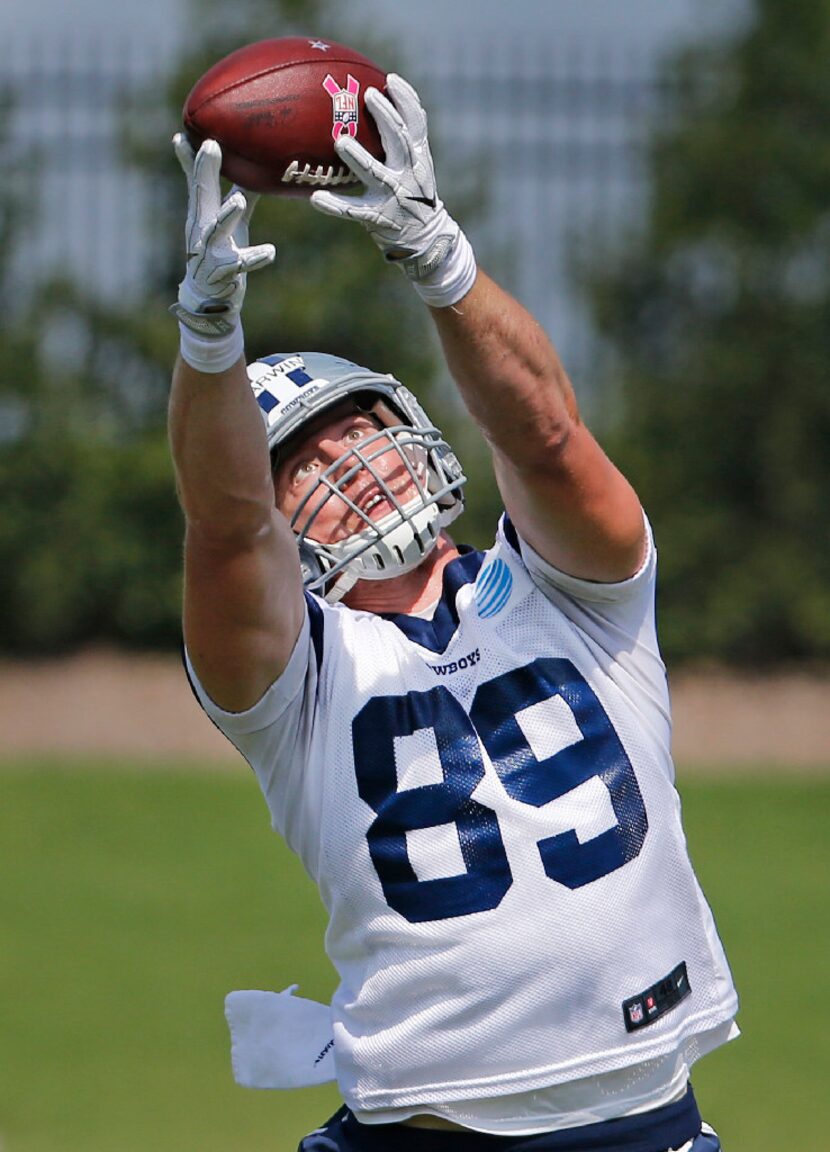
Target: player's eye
x,y
356,432
304,469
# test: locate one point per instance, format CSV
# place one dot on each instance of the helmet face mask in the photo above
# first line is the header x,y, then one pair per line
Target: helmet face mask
x,y
293,392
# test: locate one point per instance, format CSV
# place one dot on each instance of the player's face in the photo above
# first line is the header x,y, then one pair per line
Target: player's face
x,y
342,431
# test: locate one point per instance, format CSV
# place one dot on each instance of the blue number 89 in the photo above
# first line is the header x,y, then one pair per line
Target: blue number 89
x,y
492,721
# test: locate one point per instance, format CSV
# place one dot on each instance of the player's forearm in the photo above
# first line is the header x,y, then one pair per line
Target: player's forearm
x,y
220,452
508,373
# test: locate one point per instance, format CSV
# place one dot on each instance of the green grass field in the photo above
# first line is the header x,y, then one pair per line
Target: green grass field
x,y
133,900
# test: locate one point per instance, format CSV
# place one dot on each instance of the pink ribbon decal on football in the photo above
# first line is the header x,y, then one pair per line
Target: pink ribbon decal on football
x,y
344,105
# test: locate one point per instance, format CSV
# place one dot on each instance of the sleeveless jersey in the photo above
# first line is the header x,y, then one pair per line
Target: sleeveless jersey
x,y
486,802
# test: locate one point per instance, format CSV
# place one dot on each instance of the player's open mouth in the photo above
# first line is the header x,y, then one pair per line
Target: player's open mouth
x,y
398,494
376,506
373,503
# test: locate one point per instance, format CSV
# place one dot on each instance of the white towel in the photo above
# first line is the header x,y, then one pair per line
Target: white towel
x,y
279,1040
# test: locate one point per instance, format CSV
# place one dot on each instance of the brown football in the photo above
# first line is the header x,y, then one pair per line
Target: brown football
x,y
276,107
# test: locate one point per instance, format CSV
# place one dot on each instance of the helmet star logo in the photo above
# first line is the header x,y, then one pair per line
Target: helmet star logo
x,y
320,45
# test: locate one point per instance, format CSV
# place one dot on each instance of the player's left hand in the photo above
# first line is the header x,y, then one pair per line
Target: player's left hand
x,y
216,234
399,206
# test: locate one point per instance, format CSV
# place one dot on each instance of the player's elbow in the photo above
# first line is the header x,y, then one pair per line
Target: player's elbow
x,y
545,449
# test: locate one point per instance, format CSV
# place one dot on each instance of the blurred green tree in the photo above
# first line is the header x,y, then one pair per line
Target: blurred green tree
x,y
718,310
90,531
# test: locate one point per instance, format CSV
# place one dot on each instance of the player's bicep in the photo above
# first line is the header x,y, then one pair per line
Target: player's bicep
x,y
576,510
243,612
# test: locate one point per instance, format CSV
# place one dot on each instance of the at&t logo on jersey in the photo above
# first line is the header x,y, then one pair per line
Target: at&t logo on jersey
x,y
493,588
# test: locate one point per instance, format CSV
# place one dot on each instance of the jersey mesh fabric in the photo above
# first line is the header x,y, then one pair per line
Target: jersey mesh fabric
x,y
507,978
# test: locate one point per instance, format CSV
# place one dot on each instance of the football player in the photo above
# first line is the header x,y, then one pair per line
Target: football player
x,y
468,750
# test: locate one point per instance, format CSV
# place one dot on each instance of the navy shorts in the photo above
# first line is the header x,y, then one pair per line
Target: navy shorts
x,y
665,1128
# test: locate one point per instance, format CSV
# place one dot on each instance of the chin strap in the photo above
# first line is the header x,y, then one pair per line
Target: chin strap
x,y
343,583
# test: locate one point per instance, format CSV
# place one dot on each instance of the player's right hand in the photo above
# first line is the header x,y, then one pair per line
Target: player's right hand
x,y
216,235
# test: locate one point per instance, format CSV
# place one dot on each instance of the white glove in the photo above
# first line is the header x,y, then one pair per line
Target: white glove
x,y
218,260
399,206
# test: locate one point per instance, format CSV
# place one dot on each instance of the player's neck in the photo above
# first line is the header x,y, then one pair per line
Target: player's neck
x,y
412,592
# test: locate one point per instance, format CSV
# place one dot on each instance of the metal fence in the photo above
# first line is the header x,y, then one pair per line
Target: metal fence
x,y
555,134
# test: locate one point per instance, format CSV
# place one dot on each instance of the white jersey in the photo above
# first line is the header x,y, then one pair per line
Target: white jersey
x,y
486,802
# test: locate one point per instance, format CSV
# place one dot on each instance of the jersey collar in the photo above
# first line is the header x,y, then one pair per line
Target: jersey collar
x,y
437,633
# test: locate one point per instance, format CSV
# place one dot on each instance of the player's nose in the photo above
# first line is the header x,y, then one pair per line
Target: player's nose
x,y
331,451
329,448
336,456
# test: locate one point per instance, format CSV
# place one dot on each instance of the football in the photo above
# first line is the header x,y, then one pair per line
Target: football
x,y
276,108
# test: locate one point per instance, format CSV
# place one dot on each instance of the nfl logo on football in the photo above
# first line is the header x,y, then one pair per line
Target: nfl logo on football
x,y
345,108
635,1013
344,104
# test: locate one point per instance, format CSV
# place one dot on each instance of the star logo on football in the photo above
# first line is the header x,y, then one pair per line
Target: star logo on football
x,y
320,45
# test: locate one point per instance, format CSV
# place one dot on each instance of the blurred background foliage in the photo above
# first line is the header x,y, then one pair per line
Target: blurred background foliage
x,y
719,311
715,304
90,531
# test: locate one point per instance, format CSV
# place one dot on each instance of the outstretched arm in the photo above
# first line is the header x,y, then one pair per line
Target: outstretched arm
x,y
565,496
243,604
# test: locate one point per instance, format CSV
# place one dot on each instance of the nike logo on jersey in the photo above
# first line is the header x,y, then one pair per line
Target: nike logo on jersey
x,y
430,201
323,1053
